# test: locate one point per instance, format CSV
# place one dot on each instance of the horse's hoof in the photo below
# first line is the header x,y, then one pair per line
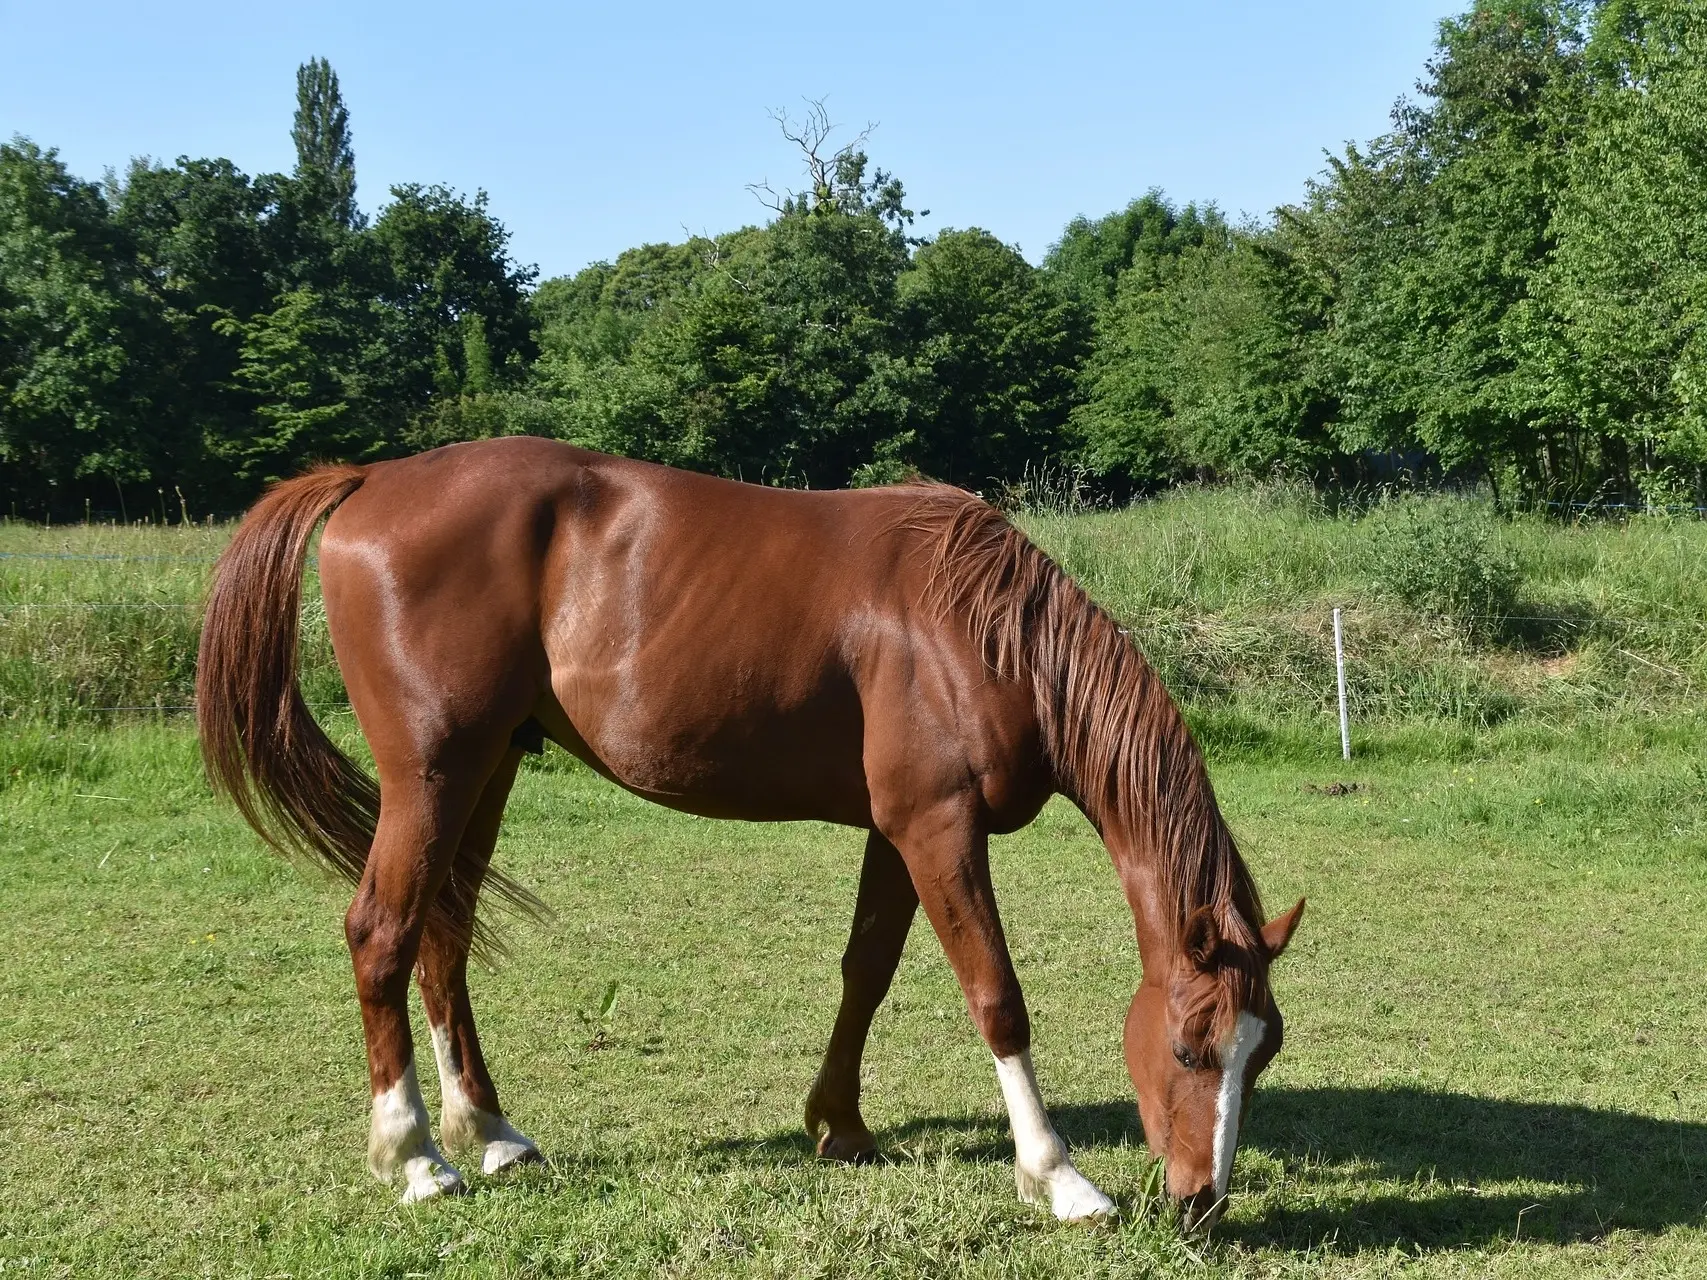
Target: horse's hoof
x,y
1066,1193
428,1179
1085,1204
848,1148
509,1154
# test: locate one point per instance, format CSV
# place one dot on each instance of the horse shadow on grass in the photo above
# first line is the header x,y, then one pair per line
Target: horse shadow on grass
x,y
1374,1168
1473,1171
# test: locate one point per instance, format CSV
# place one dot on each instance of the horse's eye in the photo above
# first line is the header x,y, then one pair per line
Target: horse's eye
x,y
1184,1057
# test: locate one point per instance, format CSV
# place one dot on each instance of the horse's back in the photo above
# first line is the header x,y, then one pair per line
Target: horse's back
x,y
710,644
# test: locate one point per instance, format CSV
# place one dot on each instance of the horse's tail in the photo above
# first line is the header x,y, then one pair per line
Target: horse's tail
x,y
262,747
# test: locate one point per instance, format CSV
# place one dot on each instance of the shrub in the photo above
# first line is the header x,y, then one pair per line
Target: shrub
x,y
1445,558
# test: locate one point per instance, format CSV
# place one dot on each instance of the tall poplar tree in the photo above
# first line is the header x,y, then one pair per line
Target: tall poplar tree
x,y
321,132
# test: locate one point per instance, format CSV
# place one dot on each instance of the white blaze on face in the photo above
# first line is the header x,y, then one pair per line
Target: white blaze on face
x,y
1236,1053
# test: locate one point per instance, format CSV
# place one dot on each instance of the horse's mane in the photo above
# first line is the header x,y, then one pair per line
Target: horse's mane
x,y
1115,739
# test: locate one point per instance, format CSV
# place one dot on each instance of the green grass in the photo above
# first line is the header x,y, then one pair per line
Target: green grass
x,y
100,622
1231,593
1494,1005
1493,1060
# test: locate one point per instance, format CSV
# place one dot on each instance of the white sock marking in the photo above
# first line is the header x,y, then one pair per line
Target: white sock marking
x,y
1235,1057
400,1140
464,1125
1042,1170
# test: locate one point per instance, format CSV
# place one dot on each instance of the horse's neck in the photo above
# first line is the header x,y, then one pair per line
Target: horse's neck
x,y
1159,890
1148,890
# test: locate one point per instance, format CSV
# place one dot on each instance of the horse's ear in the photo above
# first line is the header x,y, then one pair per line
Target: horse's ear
x,y
1201,938
1278,931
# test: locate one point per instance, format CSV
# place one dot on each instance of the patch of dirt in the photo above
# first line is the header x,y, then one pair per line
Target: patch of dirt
x,y
1561,667
1335,788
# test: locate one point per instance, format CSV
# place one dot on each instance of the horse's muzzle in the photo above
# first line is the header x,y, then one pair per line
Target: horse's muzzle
x,y
1201,1210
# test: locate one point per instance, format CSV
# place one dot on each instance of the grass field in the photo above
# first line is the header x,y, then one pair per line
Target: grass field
x,y
1494,1007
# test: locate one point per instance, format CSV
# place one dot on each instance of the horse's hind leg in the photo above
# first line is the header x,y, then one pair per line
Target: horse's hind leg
x,y
882,916
424,809
470,1119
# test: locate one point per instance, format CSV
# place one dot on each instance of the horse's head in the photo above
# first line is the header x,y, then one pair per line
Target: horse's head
x,y
1201,1028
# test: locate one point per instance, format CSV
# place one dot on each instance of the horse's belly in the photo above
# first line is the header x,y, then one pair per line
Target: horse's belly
x,y
718,749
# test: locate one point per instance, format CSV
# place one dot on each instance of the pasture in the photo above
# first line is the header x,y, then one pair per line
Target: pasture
x,y
1494,1019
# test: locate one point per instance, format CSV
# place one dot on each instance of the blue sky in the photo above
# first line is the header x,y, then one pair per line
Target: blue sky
x,y
597,127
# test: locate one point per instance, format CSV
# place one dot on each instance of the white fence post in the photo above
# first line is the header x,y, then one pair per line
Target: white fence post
x,y
1339,662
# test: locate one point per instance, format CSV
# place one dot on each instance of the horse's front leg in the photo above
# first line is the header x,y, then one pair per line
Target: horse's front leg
x,y
470,1119
948,856
883,914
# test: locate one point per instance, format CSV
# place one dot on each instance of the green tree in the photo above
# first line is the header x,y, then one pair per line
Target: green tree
x,y
457,330
198,231
610,338
997,348
315,231
600,311
73,396
1437,237
828,381
1622,343
445,265
305,364
1123,423
325,160
772,353
1203,363
1091,255
1243,394
318,362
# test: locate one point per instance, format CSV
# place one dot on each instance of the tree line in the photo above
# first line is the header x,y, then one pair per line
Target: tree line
x,y
1506,288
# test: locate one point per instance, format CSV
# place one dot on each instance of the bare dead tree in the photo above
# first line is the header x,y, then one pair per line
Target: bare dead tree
x,y
836,179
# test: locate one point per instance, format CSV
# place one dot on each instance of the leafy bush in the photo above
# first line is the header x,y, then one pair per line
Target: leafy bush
x,y
1445,558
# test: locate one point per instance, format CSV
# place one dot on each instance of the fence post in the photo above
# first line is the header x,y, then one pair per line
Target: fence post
x,y
1339,663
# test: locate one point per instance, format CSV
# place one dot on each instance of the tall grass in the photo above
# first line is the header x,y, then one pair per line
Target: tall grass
x,y
102,621
1229,592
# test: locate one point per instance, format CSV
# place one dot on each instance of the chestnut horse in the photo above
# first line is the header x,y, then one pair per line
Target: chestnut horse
x,y
899,660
